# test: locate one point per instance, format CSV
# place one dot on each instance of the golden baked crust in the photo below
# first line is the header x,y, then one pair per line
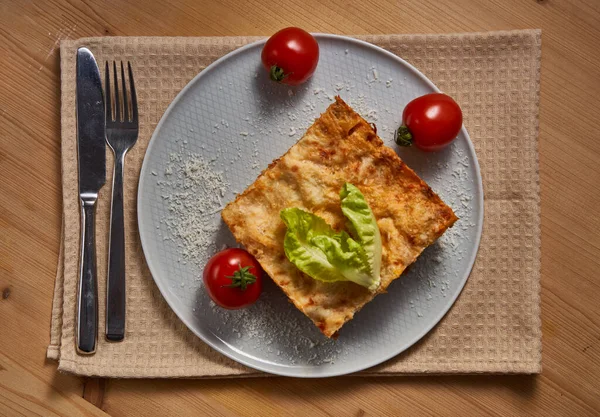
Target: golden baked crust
x,y
339,147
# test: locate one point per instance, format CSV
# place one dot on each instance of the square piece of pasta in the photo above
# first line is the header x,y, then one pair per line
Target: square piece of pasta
x,y
339,147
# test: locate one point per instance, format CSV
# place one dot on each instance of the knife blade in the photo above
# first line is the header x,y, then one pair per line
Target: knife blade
x,y
91,153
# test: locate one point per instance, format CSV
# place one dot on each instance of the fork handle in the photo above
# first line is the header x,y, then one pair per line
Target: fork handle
x,y
87,297
115,294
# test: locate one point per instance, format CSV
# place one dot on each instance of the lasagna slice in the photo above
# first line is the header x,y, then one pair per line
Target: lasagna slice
x,y
339,147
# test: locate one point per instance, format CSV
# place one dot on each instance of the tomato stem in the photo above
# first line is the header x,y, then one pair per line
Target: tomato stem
x,y
277,74
241,278
403,136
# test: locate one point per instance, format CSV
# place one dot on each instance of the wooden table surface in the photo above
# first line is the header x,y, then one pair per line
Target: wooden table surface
x,y
30,210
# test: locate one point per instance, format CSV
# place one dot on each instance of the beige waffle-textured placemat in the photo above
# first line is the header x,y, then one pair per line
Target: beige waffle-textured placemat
x,y
495,324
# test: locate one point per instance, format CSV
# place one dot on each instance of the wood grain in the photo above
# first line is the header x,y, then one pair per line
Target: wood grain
x,y
24,393
30,210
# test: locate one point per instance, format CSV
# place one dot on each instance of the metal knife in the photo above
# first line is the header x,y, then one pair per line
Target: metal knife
x,y
91,151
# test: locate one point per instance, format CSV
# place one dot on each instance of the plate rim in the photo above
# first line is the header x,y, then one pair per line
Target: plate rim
x,y
285,370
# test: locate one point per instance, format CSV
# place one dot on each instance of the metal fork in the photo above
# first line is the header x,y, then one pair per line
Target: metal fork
x,y
121,135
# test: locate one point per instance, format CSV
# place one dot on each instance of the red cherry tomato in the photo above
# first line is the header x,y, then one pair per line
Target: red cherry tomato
x,y
233,278
291,56
431,122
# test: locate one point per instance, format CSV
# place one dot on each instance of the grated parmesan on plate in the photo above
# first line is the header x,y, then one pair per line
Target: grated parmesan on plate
x,y
194,196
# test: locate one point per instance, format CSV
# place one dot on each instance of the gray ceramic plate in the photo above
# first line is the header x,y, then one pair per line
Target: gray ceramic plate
x,y
225,127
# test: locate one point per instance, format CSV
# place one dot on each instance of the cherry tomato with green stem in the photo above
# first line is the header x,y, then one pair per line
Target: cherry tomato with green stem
x,y
291,56
430,122
233,278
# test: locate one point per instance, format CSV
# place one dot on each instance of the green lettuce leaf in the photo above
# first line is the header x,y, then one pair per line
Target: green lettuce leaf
x,y
325,255
362,225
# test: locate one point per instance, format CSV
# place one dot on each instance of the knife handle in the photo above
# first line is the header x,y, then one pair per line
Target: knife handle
x,y
87,300
115,294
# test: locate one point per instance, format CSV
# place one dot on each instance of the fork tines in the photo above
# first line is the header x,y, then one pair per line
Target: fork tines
x,y
121,104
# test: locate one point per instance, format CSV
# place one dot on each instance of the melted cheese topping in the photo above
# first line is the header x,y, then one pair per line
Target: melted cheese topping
x,y
339,147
